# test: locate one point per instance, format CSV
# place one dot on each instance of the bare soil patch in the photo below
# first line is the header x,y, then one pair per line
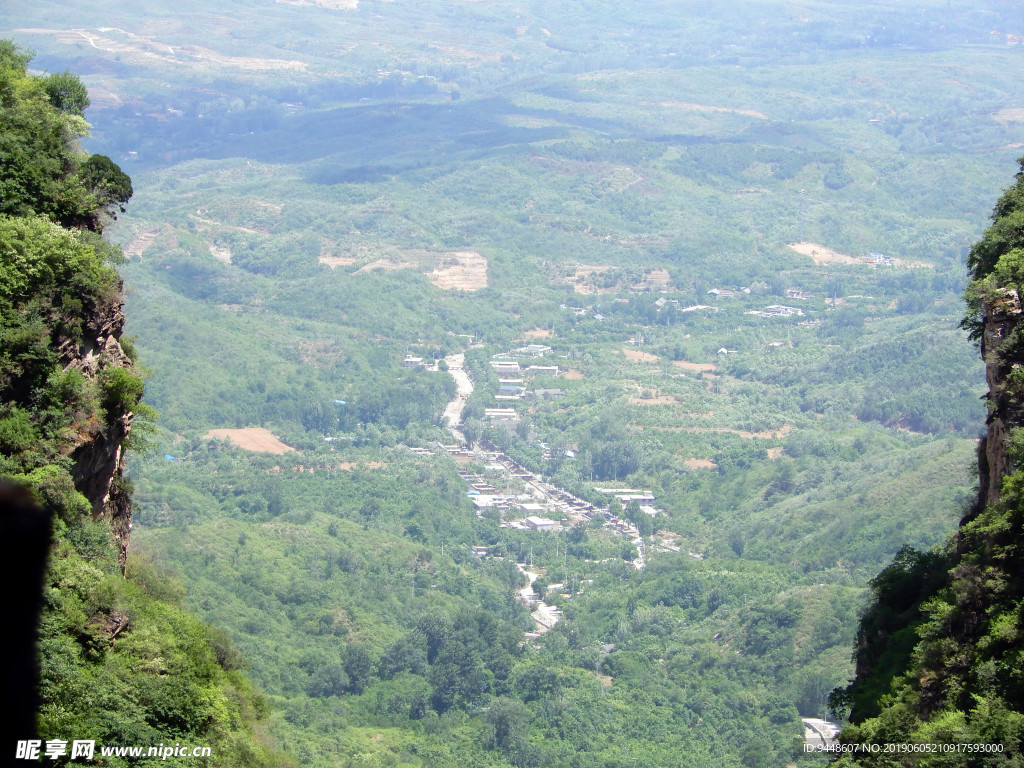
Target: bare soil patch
x,y
700,464
686,365
538,333
691,107
658,278
207,224
337,261
640,357
1010,115
460,271
821,254
449,270
251,439
387,265
573,375
582,282
465,54
220,253
141,49
140,243
659,400
335,255
104,98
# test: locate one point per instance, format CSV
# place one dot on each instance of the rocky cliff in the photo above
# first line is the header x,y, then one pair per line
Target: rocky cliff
x,y
1002,315
98,452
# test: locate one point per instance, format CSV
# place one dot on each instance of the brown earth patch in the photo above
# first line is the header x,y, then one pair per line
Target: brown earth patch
x,y
821,254
686,365
347,465
658,277
141,49
220,253
251,439
1010,115
774,453
460,271
208,224
138,244
337,261
581,283
538,333
639,357
449,270
573,375
387,265
659,400
691,107
700,464
104,98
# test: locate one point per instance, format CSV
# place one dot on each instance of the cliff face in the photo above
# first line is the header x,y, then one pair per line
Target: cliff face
x,y
98,450
1003,314
943,643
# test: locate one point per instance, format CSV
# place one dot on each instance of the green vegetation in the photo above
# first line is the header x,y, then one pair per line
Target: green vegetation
x,y
321,192
122,662
940,648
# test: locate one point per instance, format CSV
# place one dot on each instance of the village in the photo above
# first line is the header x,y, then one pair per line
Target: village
x,y
523,500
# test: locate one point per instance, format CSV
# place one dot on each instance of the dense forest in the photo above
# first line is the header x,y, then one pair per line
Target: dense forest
x,y
703,268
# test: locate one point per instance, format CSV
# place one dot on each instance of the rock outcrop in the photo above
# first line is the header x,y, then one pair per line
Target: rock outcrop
x,y
1003,314
98,453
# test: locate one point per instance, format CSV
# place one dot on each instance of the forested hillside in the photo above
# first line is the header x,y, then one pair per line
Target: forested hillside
x,y
122,662
702,268
939,660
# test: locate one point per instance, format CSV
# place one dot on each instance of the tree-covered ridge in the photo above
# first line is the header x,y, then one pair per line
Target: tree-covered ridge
x,y
941,656
42,169
121,661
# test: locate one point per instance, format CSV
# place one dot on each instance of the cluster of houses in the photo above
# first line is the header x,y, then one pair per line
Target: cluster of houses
x,y
583,311
662,302
627,496
511,374
777,310
527,502
726,293
774,310
536,505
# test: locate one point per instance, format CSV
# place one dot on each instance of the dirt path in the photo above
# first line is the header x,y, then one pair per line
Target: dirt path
x,y
544,616
464,388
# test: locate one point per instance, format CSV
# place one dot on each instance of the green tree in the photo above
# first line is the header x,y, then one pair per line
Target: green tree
x,y
67,93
